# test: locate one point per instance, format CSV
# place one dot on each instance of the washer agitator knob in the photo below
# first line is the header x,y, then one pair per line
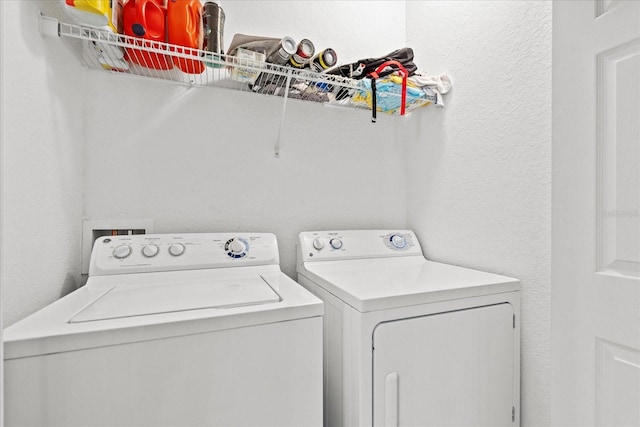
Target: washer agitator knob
x,y
398,241
176,249
236,246
122,251
335,243
150,250
318,244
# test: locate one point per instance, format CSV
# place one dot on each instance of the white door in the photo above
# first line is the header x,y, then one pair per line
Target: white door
x,y
596,209
449,369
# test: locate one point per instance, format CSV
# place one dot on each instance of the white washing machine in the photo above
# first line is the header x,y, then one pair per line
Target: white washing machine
x,y
171,330
407,341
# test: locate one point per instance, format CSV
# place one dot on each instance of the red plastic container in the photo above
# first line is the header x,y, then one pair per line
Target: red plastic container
x,y
146,20
185,28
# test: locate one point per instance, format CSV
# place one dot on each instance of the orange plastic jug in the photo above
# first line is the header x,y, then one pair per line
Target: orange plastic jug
x,y
146,20
184,28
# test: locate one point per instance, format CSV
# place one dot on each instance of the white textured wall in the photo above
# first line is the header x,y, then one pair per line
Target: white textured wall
x,y
201,159
479,171
41,181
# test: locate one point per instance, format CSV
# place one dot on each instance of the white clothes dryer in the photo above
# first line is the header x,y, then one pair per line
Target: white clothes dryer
x,y
171,330
408,341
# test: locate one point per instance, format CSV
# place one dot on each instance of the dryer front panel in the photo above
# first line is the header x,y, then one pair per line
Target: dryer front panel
x,y
449,369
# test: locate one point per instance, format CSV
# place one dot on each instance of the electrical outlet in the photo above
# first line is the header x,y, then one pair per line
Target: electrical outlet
x,y
93,229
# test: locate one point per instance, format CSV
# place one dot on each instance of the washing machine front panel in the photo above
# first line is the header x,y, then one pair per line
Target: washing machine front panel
x,y
447,369
267,374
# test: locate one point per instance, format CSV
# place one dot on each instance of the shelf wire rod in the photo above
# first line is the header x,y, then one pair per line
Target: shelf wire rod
x,y
276,152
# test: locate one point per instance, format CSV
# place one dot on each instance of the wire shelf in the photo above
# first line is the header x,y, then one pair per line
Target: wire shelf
x,y
118,53
104,50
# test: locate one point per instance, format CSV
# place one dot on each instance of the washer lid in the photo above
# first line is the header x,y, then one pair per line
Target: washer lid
x,y
126,300
382,283
265,295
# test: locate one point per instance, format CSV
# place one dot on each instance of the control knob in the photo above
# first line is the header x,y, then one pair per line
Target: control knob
x,y
122,251
150,250
236,246
176,249
335,243
398,241
318,244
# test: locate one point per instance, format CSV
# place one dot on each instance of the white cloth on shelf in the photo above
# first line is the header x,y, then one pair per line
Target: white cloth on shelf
x,y
433,85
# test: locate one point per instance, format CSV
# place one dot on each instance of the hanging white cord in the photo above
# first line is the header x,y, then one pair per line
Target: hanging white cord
x,y
276,152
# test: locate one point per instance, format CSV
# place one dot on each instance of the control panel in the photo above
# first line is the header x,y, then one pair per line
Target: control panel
x,y
166,252
349,244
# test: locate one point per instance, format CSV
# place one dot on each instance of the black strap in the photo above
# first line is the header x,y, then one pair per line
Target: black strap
x,y
374,107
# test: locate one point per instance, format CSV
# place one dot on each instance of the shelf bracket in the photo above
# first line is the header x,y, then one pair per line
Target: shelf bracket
x,y
48,26
276,149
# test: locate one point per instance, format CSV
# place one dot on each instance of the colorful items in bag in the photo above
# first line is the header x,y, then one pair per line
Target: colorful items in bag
x,y
385,69
146,20
184,28
389,94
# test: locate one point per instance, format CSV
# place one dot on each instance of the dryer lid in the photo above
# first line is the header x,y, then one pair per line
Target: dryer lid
x,y
128,300
383,283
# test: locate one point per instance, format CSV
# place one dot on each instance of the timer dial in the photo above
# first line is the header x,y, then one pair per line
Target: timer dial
x,y
236,247
398,241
